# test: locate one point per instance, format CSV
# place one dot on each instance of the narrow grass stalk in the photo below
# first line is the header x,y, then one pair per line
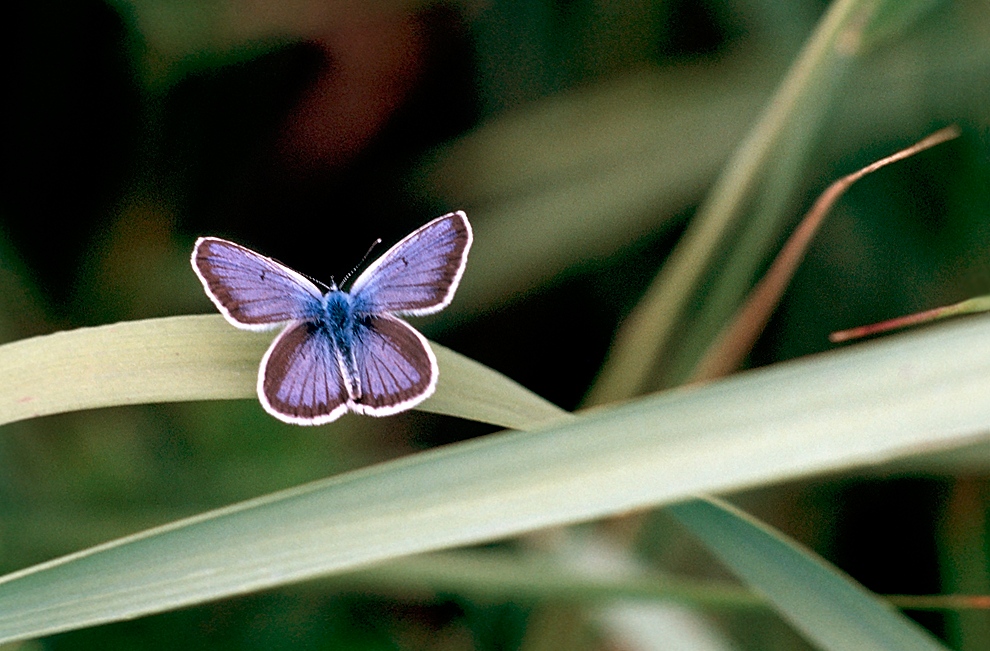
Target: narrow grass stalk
x,y
648,330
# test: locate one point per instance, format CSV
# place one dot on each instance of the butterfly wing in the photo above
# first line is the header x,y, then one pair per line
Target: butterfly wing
x,y
250,290
301,380
396,368
420,274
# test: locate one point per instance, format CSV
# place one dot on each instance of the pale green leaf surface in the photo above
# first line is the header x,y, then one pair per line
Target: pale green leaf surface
x,y
205,358
868,403
819,600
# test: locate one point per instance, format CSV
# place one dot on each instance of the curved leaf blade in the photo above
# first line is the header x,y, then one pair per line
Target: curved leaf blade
x,y
865,404
204,358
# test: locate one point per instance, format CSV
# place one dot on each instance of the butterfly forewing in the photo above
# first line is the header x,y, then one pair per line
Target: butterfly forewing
x,y
250,290
301,380
396,368
419,274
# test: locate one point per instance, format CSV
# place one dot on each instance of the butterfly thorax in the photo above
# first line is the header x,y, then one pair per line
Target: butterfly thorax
x,y
338,317
337,310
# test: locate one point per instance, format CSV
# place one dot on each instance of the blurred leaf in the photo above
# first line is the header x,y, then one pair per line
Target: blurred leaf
x,y
964,540
581,174
832,610
739,335
892,19
205,358
21,306
536,577
545,577
864,404
760,178
183,35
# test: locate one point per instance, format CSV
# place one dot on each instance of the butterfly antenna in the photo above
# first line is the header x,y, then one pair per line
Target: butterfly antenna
x,y
363,258
320,283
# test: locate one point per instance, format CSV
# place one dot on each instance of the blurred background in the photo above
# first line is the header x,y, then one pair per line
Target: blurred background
x,y
580,137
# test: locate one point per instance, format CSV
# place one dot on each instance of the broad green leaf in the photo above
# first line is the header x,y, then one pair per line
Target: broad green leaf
x,y
914,392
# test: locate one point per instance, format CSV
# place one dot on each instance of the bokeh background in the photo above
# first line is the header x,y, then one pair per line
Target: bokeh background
x,y
580,136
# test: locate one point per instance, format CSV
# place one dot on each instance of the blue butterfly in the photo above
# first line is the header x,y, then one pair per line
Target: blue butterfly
x,y
341,350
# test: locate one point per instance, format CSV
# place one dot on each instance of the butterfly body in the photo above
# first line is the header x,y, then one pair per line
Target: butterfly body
x,y
341,350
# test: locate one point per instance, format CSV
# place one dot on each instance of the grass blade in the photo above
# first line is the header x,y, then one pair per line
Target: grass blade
x,y
832,610
204,358
648,330
740,334
864,404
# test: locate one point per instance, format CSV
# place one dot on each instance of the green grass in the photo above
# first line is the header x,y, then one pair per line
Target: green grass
x,y
188,505
858,406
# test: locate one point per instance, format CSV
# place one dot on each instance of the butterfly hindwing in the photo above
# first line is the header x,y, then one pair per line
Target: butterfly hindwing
x,y
419,274
396,368
251,290
301,380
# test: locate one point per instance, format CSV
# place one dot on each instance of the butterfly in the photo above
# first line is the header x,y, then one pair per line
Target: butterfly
x,y
341,350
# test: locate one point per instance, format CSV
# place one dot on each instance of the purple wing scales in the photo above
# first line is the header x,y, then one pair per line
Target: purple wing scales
x,y
252,291
420,274
301,380
396,367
